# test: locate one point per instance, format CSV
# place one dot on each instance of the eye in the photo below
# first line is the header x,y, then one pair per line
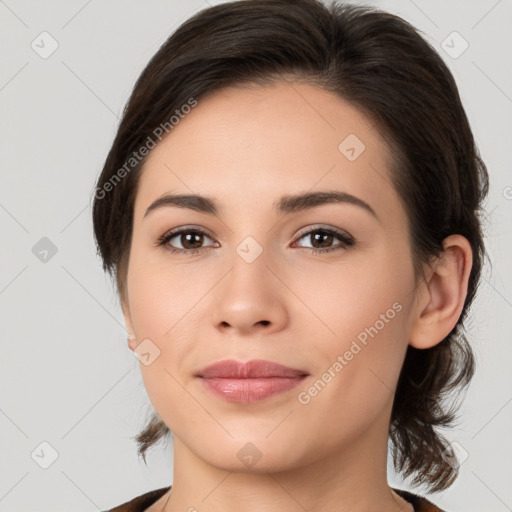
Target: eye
x,y
190,239
324,236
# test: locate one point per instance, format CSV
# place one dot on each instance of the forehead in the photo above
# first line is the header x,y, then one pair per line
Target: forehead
x,y
242,145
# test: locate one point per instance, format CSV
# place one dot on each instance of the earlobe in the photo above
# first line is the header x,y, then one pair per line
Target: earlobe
x,y
442,297
131,341
129,327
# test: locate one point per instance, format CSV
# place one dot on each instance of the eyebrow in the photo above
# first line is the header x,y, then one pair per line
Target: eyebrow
x,y
287,204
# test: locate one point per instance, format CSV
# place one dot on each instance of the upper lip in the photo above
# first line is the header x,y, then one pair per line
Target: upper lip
x,y
230,368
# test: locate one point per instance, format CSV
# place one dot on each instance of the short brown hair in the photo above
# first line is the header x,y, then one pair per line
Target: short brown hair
x,y
379,63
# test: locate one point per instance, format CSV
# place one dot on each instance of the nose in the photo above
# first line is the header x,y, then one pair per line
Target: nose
x,y
250,299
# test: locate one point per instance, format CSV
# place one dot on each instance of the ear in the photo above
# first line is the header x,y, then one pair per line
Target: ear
x,y
441,298
132,343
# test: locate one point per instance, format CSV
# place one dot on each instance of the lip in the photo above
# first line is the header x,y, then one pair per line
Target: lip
x,y
256,368
253,381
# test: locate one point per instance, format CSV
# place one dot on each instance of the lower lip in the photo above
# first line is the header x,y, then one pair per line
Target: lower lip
x,y
250,390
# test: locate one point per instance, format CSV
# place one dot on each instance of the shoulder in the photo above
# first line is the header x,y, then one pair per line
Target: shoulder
x,y
140,503
419,503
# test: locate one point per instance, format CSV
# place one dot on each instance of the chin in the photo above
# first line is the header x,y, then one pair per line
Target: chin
x,y
251,454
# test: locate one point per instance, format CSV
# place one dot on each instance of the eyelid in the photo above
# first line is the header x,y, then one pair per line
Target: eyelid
x,y
346,240
188,227
322,227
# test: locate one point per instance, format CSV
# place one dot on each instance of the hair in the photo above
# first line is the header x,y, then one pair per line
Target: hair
x,y
383,66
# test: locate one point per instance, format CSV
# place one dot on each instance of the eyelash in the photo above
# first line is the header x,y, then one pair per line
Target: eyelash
x,y
346,241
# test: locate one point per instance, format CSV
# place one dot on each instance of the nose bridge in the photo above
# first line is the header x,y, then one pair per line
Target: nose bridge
x,y
249,270
251,250
249,295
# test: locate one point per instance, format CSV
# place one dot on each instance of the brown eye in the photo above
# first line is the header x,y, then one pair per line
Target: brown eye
x,y
191,240
322,238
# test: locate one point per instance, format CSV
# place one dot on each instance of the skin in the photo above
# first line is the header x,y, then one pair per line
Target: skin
x,y
246,148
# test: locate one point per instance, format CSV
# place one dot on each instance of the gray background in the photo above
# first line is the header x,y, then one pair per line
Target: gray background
x,y
67,377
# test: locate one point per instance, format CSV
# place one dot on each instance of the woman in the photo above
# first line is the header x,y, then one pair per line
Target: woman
x,y
290,209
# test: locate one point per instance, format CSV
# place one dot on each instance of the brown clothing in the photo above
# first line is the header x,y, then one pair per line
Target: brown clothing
x,y
142,502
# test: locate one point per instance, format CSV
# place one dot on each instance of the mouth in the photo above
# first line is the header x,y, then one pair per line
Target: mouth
x,y
253,381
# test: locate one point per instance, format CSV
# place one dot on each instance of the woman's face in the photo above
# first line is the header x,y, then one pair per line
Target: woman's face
x,y
260,287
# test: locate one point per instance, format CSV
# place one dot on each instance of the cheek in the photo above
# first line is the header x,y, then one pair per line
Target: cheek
x,y
352,293
162,309
162,297
358,377
158,309
365,307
